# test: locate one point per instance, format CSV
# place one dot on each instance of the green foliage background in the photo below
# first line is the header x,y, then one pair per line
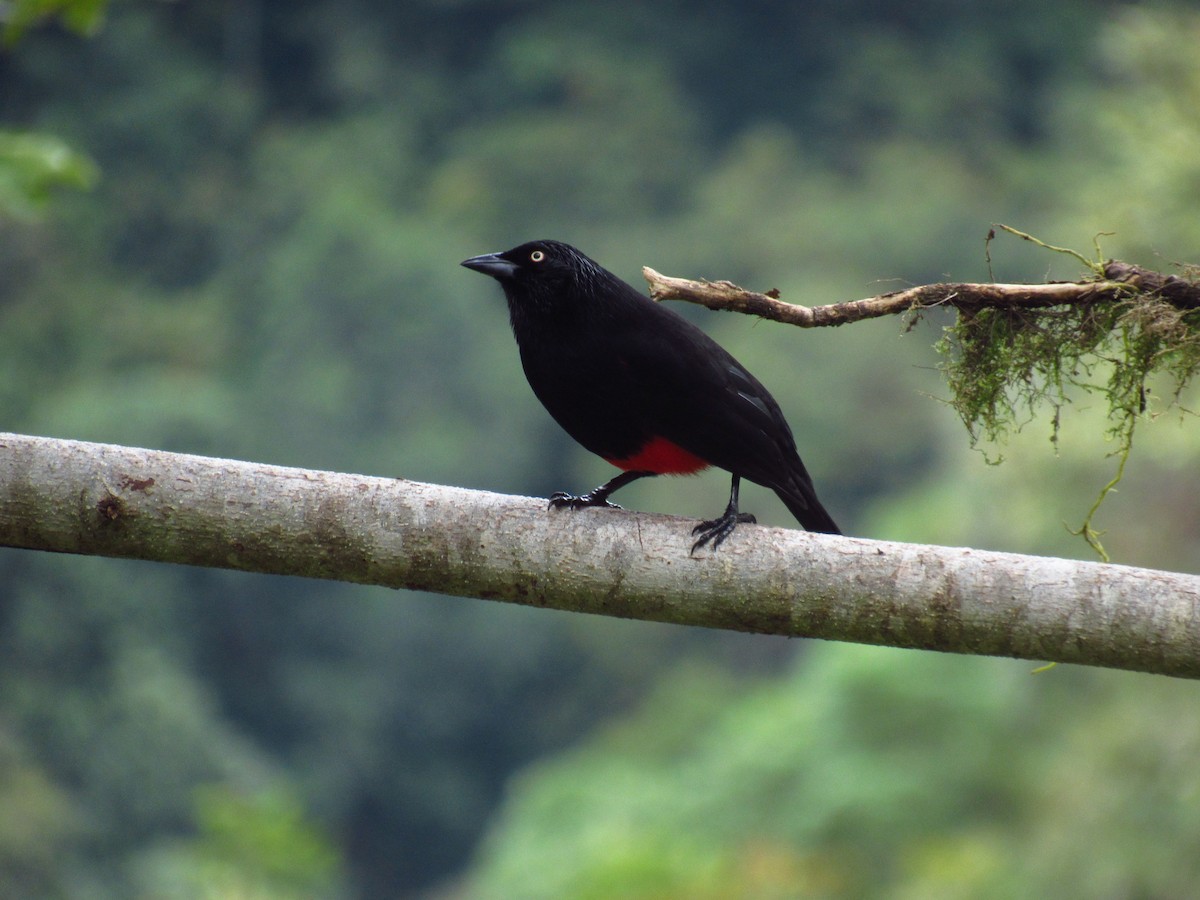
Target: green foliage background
x,y
234,229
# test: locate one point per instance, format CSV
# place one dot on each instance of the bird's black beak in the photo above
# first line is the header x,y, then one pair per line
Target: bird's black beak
x,y
491,264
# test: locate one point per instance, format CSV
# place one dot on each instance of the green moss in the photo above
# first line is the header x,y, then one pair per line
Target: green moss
x,y
1004,366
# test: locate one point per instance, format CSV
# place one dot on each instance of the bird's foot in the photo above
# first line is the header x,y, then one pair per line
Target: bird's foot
x,y
716,530
563,500
596,496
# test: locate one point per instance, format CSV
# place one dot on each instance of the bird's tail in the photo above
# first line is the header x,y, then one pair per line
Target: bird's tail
x,y
801,500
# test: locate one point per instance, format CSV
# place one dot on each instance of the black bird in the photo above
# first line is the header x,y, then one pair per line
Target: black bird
x,y
639,385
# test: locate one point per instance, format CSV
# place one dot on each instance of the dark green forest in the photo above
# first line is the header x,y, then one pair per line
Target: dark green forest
x,y
234,229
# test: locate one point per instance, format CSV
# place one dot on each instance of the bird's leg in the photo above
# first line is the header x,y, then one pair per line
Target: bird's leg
x,y
596,496
716,530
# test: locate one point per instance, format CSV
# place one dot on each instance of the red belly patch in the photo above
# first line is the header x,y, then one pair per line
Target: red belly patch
x,y
661,457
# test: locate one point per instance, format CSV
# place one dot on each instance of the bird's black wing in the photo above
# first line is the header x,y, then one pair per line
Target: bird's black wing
x,y
707,402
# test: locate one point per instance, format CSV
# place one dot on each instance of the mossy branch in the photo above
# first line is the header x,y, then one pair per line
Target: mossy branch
x,y
1013,348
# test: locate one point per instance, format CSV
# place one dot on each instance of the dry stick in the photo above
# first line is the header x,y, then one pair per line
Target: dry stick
x,y
1124,281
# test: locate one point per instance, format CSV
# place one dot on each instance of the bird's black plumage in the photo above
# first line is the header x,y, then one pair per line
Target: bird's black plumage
x,y
639,385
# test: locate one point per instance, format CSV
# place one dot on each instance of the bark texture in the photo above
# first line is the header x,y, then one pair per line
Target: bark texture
x,y
106,500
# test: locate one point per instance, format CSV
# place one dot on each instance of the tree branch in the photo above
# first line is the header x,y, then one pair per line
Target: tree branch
x,y
106,500
1122,282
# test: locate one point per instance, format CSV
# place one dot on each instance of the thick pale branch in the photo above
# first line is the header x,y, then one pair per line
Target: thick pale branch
x,y
106,500
1123,281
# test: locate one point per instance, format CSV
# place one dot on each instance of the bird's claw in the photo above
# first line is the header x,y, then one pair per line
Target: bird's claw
x,y
563,500
716,530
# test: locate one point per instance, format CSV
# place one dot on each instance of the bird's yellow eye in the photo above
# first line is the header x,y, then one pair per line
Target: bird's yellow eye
x,y
537,256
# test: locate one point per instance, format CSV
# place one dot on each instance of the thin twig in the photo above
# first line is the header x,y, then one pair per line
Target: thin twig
x,y
1122,281
728,296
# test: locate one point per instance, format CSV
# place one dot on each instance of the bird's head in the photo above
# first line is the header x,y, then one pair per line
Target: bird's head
x,y
545,274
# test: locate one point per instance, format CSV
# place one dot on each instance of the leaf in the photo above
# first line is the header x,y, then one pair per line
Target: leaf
x,y
33,165
84,17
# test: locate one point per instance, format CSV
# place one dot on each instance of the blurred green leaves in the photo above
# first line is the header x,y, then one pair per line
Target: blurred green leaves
x,y
575,102
37,822
258,846
871,773
81,16
32,166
